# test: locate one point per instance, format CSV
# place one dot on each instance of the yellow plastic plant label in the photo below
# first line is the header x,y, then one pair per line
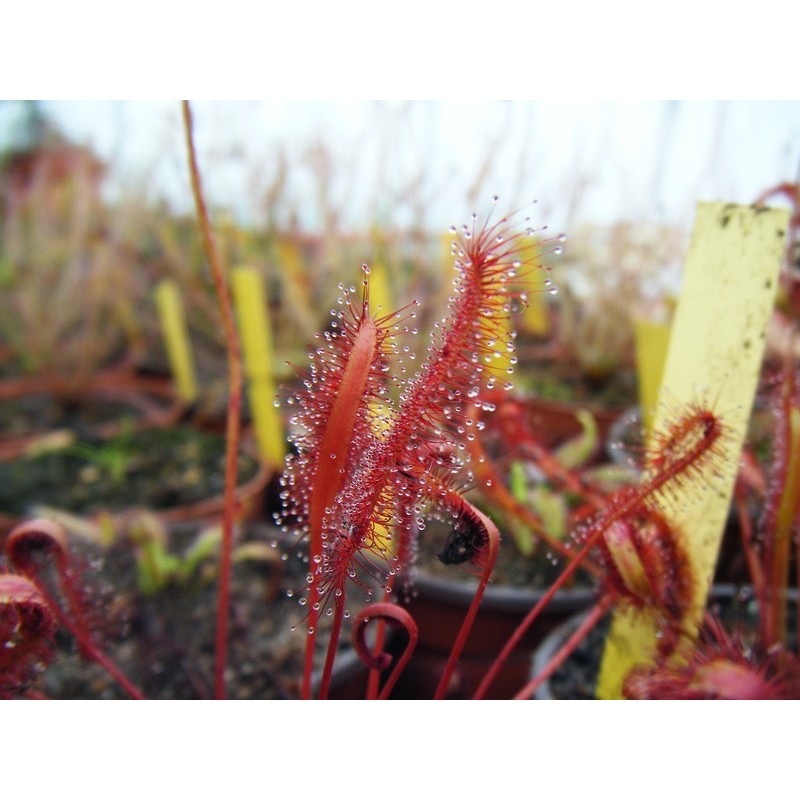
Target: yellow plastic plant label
x,y
652,341
292,272
535,318
716,347
176,339
380,302
250,301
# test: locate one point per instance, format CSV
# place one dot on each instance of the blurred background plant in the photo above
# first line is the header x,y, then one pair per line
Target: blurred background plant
x,y
610,278
71,289
301,191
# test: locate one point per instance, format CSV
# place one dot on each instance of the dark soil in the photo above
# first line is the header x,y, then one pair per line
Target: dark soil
x,y
157,468
164,642
577,677
512,569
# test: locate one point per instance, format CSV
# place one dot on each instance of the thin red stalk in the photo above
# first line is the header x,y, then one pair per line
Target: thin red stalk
x,y
373,681
374,678
46,537
376,659
492,547
403,545
533,614
77,627
627,502
594,616
233,420
754,567
333,645
787,512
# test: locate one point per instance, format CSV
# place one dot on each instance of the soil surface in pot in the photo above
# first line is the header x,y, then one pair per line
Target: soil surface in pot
x,y
511,569
577,677
164,642
156,469
438,600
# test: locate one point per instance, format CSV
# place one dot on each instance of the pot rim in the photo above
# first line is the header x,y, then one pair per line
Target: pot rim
x,y
505,598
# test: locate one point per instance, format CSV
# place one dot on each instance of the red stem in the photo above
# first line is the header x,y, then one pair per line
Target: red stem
x,y
597,612
76,625
47,537
233,421
533,614
376,659
333,645
754,567
493,546
373,681
625,503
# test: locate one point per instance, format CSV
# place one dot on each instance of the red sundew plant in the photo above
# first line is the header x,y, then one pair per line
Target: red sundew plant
x,y
27,628
721,665
640,554
756,659
28,549
375,450
233,415
366,462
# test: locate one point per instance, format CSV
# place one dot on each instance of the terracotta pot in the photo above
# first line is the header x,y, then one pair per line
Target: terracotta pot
x,y
439,606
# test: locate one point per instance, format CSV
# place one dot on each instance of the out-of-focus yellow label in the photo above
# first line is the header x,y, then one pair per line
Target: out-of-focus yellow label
x,y
251,309
716,347
176,339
